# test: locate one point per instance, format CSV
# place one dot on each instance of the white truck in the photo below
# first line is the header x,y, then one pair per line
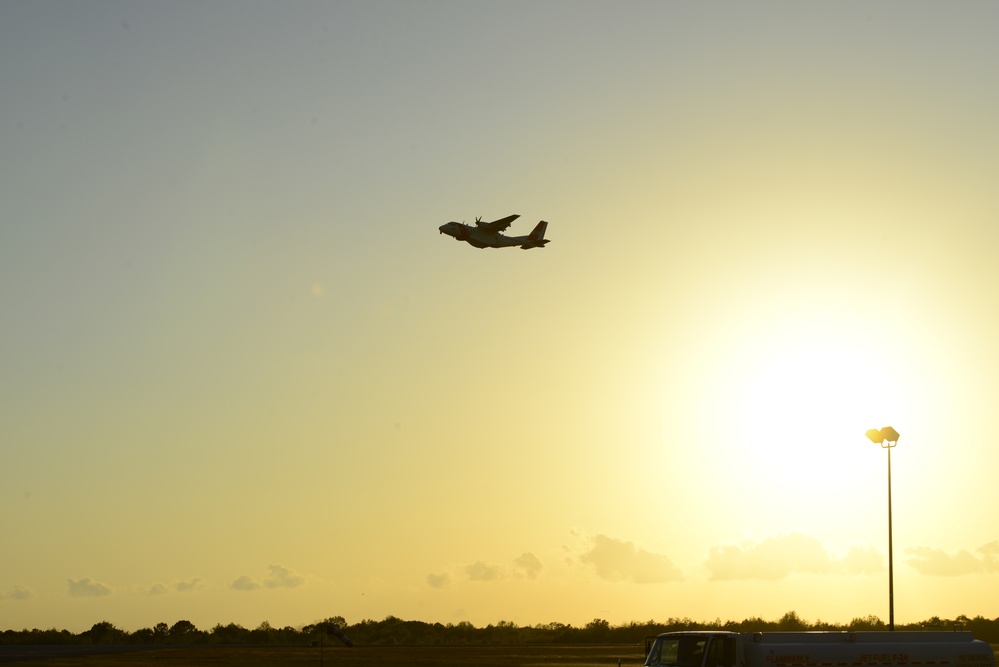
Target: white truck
x,y
819,649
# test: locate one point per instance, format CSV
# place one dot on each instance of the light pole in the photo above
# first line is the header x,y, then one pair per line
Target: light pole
x,y
888,438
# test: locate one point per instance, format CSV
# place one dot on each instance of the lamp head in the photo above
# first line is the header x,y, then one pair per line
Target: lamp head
x,y
879,437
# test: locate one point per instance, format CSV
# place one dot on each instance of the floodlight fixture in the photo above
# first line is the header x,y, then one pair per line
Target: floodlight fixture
x,y
884,435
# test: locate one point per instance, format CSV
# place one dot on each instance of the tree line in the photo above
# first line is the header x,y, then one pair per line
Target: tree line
x,y
392,630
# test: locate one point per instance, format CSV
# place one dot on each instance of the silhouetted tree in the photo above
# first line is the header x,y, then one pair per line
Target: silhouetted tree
x,y
161,631
104,633
791,622
142,636
262,633
338,621
229,634
866,623
597,630
183,632
462,633
393,630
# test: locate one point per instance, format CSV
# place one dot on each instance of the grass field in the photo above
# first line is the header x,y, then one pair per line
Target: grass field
x,y
336,656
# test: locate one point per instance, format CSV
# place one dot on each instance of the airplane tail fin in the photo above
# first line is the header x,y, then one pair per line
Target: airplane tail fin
x,y
539,231
537,237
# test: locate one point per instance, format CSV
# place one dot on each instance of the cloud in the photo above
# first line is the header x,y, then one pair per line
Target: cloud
x,y
157,589
244,583
282,577
773,558
990,556
938,563
178,587
527,565
862,560
279,577
87,588
439,580
479,571
19,592
780,556
188,586
617,560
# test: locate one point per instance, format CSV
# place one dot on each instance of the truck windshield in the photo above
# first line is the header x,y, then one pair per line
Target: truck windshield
x,y
677,652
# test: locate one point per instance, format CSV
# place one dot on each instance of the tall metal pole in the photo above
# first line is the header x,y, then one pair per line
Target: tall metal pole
x,y
891,569
887,437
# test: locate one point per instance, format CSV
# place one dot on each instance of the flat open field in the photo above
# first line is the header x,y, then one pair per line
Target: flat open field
x,y
362,656
333,656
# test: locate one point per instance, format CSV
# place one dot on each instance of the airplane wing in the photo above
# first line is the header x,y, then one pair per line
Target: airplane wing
x,y
497,225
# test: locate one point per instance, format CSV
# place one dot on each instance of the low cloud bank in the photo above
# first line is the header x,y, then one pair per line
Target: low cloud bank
x,y
87,588
779,556
939,563
525,566
19,592
278,577
617,560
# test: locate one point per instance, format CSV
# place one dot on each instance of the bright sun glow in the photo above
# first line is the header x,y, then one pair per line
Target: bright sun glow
x,y
796,389
797,395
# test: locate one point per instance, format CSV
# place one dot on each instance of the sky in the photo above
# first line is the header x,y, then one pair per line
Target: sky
x,y
243,379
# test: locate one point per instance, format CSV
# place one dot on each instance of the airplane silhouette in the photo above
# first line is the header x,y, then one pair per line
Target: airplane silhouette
x,y
487,234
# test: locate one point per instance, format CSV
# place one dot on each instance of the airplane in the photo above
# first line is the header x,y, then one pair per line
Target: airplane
x,y
487,234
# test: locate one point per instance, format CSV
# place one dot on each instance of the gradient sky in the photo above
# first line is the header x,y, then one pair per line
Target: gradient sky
x,y
243,378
